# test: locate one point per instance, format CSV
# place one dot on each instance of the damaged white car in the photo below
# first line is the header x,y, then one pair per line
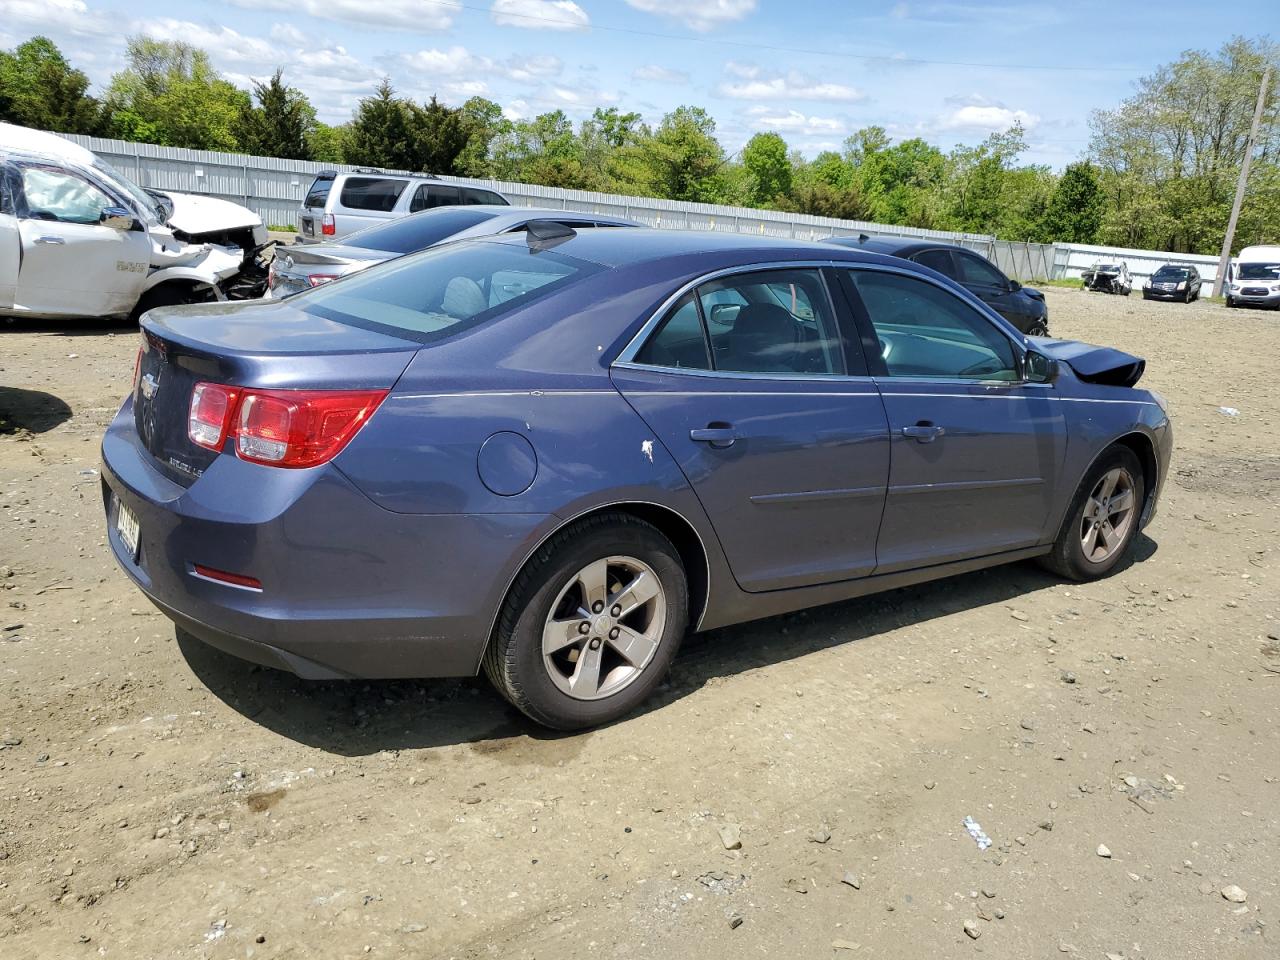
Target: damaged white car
x,y
79,239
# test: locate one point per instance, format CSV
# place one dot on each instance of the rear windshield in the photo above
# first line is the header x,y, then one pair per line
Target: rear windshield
x,y
318,193
444,290
417,231
370,193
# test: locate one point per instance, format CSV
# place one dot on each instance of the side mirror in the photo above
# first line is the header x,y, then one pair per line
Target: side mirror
x,y
1037,368
1014,286
117,218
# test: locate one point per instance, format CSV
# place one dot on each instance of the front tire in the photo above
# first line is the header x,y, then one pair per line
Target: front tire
x,y
1103,518
591,624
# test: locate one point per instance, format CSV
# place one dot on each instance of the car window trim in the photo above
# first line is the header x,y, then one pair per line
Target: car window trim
x,y
626,357
871,342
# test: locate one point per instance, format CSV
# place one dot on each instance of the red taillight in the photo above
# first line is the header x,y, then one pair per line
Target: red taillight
x,y
281,428
315,279
327,225
210,415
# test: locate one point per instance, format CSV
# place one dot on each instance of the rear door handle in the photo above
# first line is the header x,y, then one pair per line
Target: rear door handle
x,y
58,241
924,432
716,434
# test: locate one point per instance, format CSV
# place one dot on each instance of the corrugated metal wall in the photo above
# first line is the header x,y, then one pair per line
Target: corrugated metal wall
x,y
274,188
1072,259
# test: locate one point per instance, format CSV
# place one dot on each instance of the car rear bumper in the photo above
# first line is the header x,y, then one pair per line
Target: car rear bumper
x,y
349,589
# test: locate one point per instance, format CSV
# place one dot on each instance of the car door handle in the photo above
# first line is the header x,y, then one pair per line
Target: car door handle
x,y
57,241
716,434
924,432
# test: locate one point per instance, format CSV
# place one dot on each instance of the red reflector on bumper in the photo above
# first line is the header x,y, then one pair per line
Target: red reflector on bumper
x,y
221,576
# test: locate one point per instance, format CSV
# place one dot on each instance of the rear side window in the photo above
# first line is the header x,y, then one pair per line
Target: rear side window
x,y
680,341
369,193
430,196
318,193
472,195
446,289
417,231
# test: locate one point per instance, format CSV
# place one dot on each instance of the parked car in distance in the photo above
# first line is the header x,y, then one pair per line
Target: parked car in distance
x,y
1255,278
1108,278
80,239
548,456
1173,281
1023,307
297,268
338,204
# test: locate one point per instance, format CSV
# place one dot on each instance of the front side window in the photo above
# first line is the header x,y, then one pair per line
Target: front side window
x,y
978,271
445,289
55,194
377,194
927,332
776,321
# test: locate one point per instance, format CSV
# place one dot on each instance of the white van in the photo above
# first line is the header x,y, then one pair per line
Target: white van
x,y
1255,278
79,239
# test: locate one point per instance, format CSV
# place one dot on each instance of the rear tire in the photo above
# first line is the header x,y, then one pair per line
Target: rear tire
x,y
1103,518
620,579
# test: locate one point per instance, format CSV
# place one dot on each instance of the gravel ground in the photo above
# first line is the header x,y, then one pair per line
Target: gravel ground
x,y
1117,741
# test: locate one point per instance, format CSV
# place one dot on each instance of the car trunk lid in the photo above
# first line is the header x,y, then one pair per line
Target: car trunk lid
x,y
268,346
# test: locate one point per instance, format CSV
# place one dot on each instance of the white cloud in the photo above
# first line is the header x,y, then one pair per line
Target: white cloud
x,y
700,15
223,44
288,34
793,121
458,61
657,74
753,83
71,16
976,113
539,14
411,15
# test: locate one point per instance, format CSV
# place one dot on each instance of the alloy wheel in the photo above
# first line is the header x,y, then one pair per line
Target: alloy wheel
x,y
604,627
1108,514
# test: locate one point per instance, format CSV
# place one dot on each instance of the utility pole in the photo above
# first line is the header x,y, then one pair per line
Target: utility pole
x,y
1241,184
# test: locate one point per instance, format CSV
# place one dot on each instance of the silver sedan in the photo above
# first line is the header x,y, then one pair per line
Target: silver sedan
x,y
301,267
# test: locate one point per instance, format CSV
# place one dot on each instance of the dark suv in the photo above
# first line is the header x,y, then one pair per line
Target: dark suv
x,y
1173,282
1023,307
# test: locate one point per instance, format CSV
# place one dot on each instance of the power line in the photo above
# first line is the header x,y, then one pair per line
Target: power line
x,y
771,48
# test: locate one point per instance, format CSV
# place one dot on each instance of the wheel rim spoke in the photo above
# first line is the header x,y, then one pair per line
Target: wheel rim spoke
x,y
1090,540
558,634
1121,502
585,681
1109,484
594,580
635,647
635,594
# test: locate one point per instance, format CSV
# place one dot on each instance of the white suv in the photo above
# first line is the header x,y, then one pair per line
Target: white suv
x,y
341,203
79,239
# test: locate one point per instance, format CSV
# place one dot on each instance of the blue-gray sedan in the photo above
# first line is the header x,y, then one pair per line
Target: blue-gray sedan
x,y
550,456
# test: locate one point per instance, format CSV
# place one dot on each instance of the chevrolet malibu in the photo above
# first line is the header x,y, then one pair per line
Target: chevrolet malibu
x,y
550,456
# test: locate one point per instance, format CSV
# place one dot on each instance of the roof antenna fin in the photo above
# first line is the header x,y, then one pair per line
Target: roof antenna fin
x,y
543,234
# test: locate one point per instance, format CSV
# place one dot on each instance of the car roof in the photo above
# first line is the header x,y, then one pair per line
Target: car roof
x,y
891,246
615,248
17,139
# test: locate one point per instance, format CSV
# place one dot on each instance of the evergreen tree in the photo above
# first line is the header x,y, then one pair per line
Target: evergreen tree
x,y
281,123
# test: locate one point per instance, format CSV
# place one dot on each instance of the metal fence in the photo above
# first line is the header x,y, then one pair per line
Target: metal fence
x,y
274,189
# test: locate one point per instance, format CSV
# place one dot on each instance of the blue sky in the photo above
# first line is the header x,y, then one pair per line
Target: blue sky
x,y
950,72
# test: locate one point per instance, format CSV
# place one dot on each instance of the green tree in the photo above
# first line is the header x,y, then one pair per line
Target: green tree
x,y
765,159
440,134
683,159
39,88
328,144
170,94
381,133
281,123
483,121
1074,211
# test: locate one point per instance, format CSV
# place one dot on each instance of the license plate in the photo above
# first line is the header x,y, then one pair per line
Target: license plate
x,y
128,528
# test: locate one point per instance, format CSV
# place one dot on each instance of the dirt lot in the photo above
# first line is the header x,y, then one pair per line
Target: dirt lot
x,y
171,803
